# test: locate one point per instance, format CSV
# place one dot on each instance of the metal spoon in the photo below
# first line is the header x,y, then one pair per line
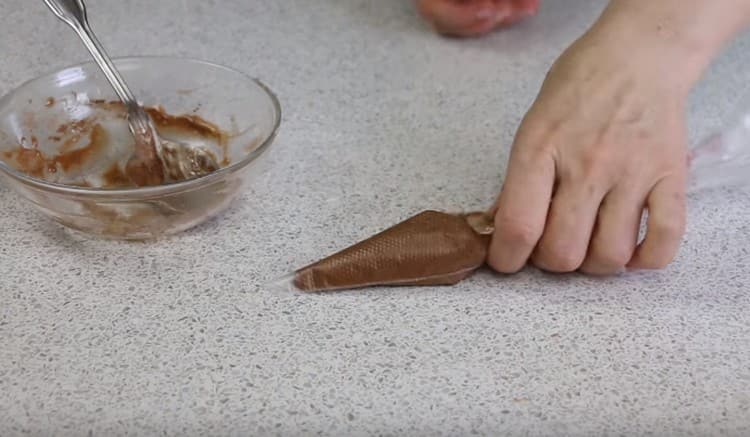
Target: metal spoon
x,y
155,160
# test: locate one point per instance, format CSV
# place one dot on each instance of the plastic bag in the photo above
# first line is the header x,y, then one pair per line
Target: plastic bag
x,y
722,160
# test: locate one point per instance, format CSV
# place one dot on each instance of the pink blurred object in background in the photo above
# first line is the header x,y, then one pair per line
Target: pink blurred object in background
x,y
475,17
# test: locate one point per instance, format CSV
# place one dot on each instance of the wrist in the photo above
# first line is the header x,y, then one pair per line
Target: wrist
x,y
677,39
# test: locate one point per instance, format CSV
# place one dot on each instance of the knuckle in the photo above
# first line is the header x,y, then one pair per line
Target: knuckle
x,y
658,262
536,137
516,231
662,263
615,256
610,259
531,154
597,270
595,162
559,259
671,228
502,265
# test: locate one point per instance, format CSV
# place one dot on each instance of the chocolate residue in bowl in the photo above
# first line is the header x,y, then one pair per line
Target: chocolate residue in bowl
x,y
29,161
74,131
81,156
190,124
71,155
34,163
187,123
115,177
168,124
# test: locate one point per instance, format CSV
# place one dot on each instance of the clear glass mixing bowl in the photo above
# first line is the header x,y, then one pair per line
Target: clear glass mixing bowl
x,y
31,116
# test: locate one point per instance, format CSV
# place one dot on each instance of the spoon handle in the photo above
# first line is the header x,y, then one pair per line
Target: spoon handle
x,y
73,13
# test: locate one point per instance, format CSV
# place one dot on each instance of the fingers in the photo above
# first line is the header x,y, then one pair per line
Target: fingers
x,y
529,6
519,9
570,223
616,232
597,237
521,209
459,18
666,225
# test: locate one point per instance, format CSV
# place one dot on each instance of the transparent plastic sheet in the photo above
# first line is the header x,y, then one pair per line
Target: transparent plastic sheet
x,y
723,159
434,248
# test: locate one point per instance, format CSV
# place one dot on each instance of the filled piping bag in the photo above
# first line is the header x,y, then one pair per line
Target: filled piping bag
x,y
437,248
431,248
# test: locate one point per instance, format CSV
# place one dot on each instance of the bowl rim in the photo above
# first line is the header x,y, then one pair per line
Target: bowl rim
x,y
152,191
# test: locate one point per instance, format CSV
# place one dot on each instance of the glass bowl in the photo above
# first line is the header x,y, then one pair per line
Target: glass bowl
x,y
48,115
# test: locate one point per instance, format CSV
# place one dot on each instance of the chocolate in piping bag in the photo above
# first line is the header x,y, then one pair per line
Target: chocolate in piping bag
x,y
431,248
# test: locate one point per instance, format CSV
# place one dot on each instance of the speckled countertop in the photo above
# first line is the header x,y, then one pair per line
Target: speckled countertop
x,y
381,119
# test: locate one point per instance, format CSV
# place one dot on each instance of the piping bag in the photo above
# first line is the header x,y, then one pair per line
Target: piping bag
x,y
438,248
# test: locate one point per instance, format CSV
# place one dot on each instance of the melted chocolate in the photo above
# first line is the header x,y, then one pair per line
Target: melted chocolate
x,y
33,162
29,161
114,177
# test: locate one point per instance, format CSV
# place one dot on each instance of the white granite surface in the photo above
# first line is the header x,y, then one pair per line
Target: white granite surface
x,y
381,119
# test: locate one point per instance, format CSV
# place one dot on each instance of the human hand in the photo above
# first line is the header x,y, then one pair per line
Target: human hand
x,y
474,17
604,140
